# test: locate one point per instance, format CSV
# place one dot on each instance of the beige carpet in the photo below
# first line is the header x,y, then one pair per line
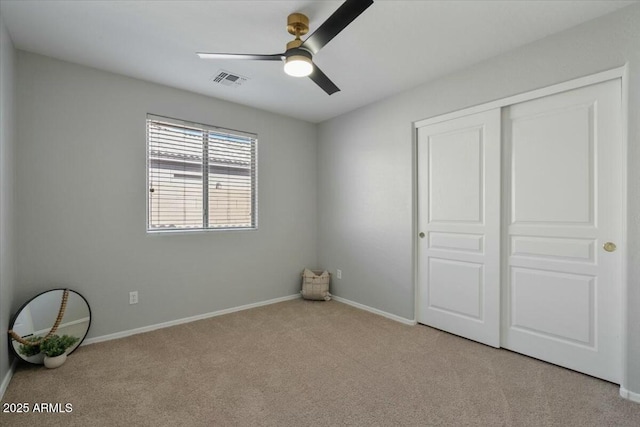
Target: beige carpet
x,y
302,363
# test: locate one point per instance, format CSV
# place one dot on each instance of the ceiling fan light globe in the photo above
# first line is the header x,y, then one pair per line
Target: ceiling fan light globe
x,y
298,66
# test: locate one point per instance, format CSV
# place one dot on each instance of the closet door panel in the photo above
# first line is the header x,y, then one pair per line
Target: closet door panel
x,y
459,225
562,288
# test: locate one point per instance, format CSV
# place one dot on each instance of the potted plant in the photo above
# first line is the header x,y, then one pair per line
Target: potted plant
x,y
30,350
55,348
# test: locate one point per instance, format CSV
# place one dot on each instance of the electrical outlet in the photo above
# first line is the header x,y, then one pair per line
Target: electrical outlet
x,y
133,297
339,274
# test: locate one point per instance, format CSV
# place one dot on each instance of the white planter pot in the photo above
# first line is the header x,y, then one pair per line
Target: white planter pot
x,y
55,362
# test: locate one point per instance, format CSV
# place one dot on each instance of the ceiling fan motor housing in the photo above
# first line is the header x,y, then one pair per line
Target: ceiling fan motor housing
x,y
297,52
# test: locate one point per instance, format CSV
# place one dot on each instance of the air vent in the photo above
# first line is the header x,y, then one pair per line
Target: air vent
x,y
227,78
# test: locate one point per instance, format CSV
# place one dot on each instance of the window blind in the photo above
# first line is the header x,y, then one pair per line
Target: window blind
x,y
199,176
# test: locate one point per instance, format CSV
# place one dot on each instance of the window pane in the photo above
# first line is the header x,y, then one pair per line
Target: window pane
x,y
175,176
199,176
231,174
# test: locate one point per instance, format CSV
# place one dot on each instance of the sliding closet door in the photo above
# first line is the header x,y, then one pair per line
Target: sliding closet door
x,y
562,288
459,226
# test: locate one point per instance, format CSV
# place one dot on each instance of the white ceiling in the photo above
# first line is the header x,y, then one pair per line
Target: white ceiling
x,y
391,47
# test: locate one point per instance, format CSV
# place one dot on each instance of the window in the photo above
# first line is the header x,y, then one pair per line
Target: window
x,y
200,177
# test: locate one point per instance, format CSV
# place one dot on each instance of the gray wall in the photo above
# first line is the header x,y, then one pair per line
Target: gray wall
x,y
365,163
81,200
7,186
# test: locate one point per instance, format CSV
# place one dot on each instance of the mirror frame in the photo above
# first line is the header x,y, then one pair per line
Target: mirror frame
x,y
17,313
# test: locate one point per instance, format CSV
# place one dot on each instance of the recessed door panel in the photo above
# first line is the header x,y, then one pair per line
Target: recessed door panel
x,y
567,301
552,166
456,287
455,176
576,250
456,242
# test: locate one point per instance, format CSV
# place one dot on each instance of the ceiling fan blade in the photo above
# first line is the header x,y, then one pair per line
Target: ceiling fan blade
x,y
343,16
323,81
274,57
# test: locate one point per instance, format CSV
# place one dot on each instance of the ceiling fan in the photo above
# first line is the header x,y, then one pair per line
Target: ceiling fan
x,y
299,54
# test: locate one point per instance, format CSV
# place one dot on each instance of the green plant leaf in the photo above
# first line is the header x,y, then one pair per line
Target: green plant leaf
x,y
29,350
56,345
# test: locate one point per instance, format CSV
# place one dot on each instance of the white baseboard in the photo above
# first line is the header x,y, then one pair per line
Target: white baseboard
x,y
374,310
7,378
629,395
149,328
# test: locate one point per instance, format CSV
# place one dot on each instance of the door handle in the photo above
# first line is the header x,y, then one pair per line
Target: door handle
x,y
609,247
421,235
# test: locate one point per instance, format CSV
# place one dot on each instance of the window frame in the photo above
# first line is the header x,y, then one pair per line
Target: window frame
x,y
205,178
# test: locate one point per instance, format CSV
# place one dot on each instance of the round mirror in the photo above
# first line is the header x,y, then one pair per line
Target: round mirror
x,y
38,315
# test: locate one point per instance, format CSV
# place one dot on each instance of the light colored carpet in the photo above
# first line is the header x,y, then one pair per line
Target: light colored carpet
x,y
305,363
